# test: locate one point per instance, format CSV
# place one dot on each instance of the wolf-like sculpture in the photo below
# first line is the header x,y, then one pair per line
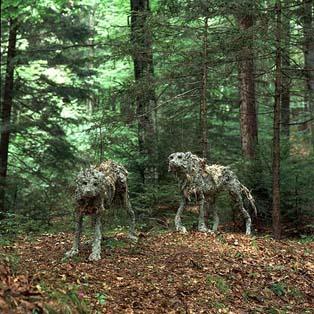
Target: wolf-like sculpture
x,y
97,188
205,182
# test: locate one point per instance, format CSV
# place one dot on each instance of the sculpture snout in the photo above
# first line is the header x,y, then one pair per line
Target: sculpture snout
x,y
171,166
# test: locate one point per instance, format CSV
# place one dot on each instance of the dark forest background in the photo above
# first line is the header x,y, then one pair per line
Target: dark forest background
x,y
84,81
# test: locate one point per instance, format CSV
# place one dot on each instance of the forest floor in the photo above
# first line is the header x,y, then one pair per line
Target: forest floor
x,y
164,273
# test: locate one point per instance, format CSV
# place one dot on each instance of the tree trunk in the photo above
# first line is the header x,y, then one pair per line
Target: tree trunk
x,y
285,98
203,103
6,111
276,128
308,29
91,100
248,117
145,94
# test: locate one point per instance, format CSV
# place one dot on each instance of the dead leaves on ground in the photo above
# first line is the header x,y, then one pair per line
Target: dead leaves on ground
x,y
18,293
165,273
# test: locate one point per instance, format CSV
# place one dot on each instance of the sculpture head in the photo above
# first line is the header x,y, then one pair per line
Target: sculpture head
x,y
89,183
179,162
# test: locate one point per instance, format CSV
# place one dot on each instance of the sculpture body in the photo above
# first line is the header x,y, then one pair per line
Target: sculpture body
x,y
205,182
97,188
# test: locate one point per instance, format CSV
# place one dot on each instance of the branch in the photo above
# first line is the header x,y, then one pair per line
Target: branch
x,y
301,122
167,101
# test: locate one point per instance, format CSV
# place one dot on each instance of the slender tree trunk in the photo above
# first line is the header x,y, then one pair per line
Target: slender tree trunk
x,y
248,117
145,94
6,111
276,128
285,98
308,30
203,103
91,100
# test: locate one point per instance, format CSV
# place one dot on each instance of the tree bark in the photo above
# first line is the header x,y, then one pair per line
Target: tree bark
x,y
6,111
248,117
308,30
203,103
145,94
285,99
276,129
91,101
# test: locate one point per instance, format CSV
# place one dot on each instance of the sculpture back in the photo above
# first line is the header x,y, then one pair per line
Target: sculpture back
x,y
106,181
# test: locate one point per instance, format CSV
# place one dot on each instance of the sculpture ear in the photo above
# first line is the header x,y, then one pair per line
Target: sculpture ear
x,y
188,154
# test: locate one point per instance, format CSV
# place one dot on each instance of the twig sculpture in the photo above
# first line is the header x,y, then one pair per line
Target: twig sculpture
x,y
98,188
205,182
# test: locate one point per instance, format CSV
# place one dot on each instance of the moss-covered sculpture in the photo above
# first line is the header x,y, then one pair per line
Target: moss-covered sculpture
x,y
97,188
204,182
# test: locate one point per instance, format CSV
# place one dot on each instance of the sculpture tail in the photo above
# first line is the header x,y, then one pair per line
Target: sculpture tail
x,y
250,198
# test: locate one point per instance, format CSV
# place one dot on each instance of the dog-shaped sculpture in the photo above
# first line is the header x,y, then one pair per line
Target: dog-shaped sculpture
x,y
205,182
98,188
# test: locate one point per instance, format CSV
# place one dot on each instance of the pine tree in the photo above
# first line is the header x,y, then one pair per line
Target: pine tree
x,y
276,127
141,39
6,110
248,116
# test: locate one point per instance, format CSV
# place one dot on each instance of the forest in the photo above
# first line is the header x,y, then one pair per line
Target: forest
x,y
130,90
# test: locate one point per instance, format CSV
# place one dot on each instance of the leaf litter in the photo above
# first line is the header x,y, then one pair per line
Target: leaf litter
x,y
163,273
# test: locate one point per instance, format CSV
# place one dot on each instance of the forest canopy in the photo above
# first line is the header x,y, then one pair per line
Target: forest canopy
x,y
85,81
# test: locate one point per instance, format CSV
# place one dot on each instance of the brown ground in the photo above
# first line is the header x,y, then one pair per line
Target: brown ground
x,y
164,273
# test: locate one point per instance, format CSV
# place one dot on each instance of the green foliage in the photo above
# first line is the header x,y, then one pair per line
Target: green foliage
x,y
279,289
297,185
219,282
306,239
11,259
218,305
114,243
75,104
101,298
297,190
66,301
41,154
15,224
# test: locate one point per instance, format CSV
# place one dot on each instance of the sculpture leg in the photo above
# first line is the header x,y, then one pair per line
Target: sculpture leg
x,y
131,234
215,214
239,204
210,206
177,220
248,221
96,247
201,219
216,220
78,231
